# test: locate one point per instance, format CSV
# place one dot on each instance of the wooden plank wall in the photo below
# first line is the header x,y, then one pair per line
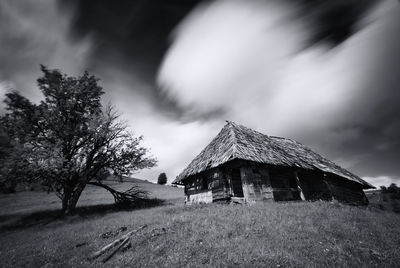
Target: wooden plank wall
x,y
256,183
313,185
346,191
199,198
220,187
211,183
262,182
284,184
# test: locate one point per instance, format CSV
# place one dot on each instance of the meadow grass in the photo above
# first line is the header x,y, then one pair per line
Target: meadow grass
x,y
290,234
36,201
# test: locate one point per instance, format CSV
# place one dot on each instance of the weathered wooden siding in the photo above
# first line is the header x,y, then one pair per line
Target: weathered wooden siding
x,y
206,186
233,181
256,183
345,191
263,182
196,184
219,186
200,198
284,185
313,186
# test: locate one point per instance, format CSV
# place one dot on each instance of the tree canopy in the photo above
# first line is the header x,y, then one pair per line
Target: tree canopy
x,y
69,139
162,179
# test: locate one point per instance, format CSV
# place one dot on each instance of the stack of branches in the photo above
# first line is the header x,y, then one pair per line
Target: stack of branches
x,y
124,242
116,245
134,196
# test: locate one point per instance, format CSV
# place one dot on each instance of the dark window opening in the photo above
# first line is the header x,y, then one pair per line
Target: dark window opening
x,y
204,184
237,183
284,185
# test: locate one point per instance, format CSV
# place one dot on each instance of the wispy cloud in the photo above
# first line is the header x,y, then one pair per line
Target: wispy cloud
x,y
248,59
382,180
33,33
271,65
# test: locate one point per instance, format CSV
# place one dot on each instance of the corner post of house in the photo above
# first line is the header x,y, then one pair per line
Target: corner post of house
x,y
299,185
244,182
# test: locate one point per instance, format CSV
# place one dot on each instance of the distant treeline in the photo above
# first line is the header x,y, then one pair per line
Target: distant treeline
x,y
393,189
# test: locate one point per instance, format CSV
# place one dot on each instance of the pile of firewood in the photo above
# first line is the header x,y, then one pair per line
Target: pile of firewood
x,y
117,245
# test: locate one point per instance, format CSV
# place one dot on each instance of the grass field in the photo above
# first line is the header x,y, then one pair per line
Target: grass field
x,y
295,234
34,201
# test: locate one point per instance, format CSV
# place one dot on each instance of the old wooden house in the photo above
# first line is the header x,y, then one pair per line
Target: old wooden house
x,y
243,165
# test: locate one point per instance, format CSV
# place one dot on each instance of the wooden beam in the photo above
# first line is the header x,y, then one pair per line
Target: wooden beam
x,y
120,240
298,186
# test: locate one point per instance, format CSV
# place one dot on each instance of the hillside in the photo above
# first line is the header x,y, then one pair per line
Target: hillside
x,y
34,201
293,234
284,234
383,201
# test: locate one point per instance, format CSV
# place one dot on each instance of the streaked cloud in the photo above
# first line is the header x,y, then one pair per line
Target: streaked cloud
x,y
177,70
33,33
249,60
383,180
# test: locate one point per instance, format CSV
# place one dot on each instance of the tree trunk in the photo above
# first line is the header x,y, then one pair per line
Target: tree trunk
x,y
66,196
70,198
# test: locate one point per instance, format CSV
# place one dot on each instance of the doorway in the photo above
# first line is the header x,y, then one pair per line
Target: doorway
x,y
237,183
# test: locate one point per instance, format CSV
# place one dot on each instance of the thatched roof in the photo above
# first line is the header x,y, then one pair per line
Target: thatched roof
x,y
238,142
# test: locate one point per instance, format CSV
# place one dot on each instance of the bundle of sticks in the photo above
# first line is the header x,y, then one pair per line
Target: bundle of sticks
x,y
116,245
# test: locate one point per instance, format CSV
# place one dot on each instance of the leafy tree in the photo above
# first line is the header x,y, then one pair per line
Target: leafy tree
x,y
394,190
68,140
6,149
162,179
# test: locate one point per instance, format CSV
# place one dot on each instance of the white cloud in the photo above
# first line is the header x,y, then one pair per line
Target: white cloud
x,y
382,180
226,50
242,56
246,58
173,143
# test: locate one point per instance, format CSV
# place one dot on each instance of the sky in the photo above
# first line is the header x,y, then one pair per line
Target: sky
x,y
325,73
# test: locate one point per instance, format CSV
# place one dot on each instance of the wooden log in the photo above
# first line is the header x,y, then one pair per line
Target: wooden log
x,y
125,242
116,242
296,175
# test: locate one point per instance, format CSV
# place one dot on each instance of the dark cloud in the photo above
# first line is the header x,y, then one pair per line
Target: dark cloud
x,y
365,134
133,36
375,114
343,102
332,22
33,33
138,30
132,32
124,42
